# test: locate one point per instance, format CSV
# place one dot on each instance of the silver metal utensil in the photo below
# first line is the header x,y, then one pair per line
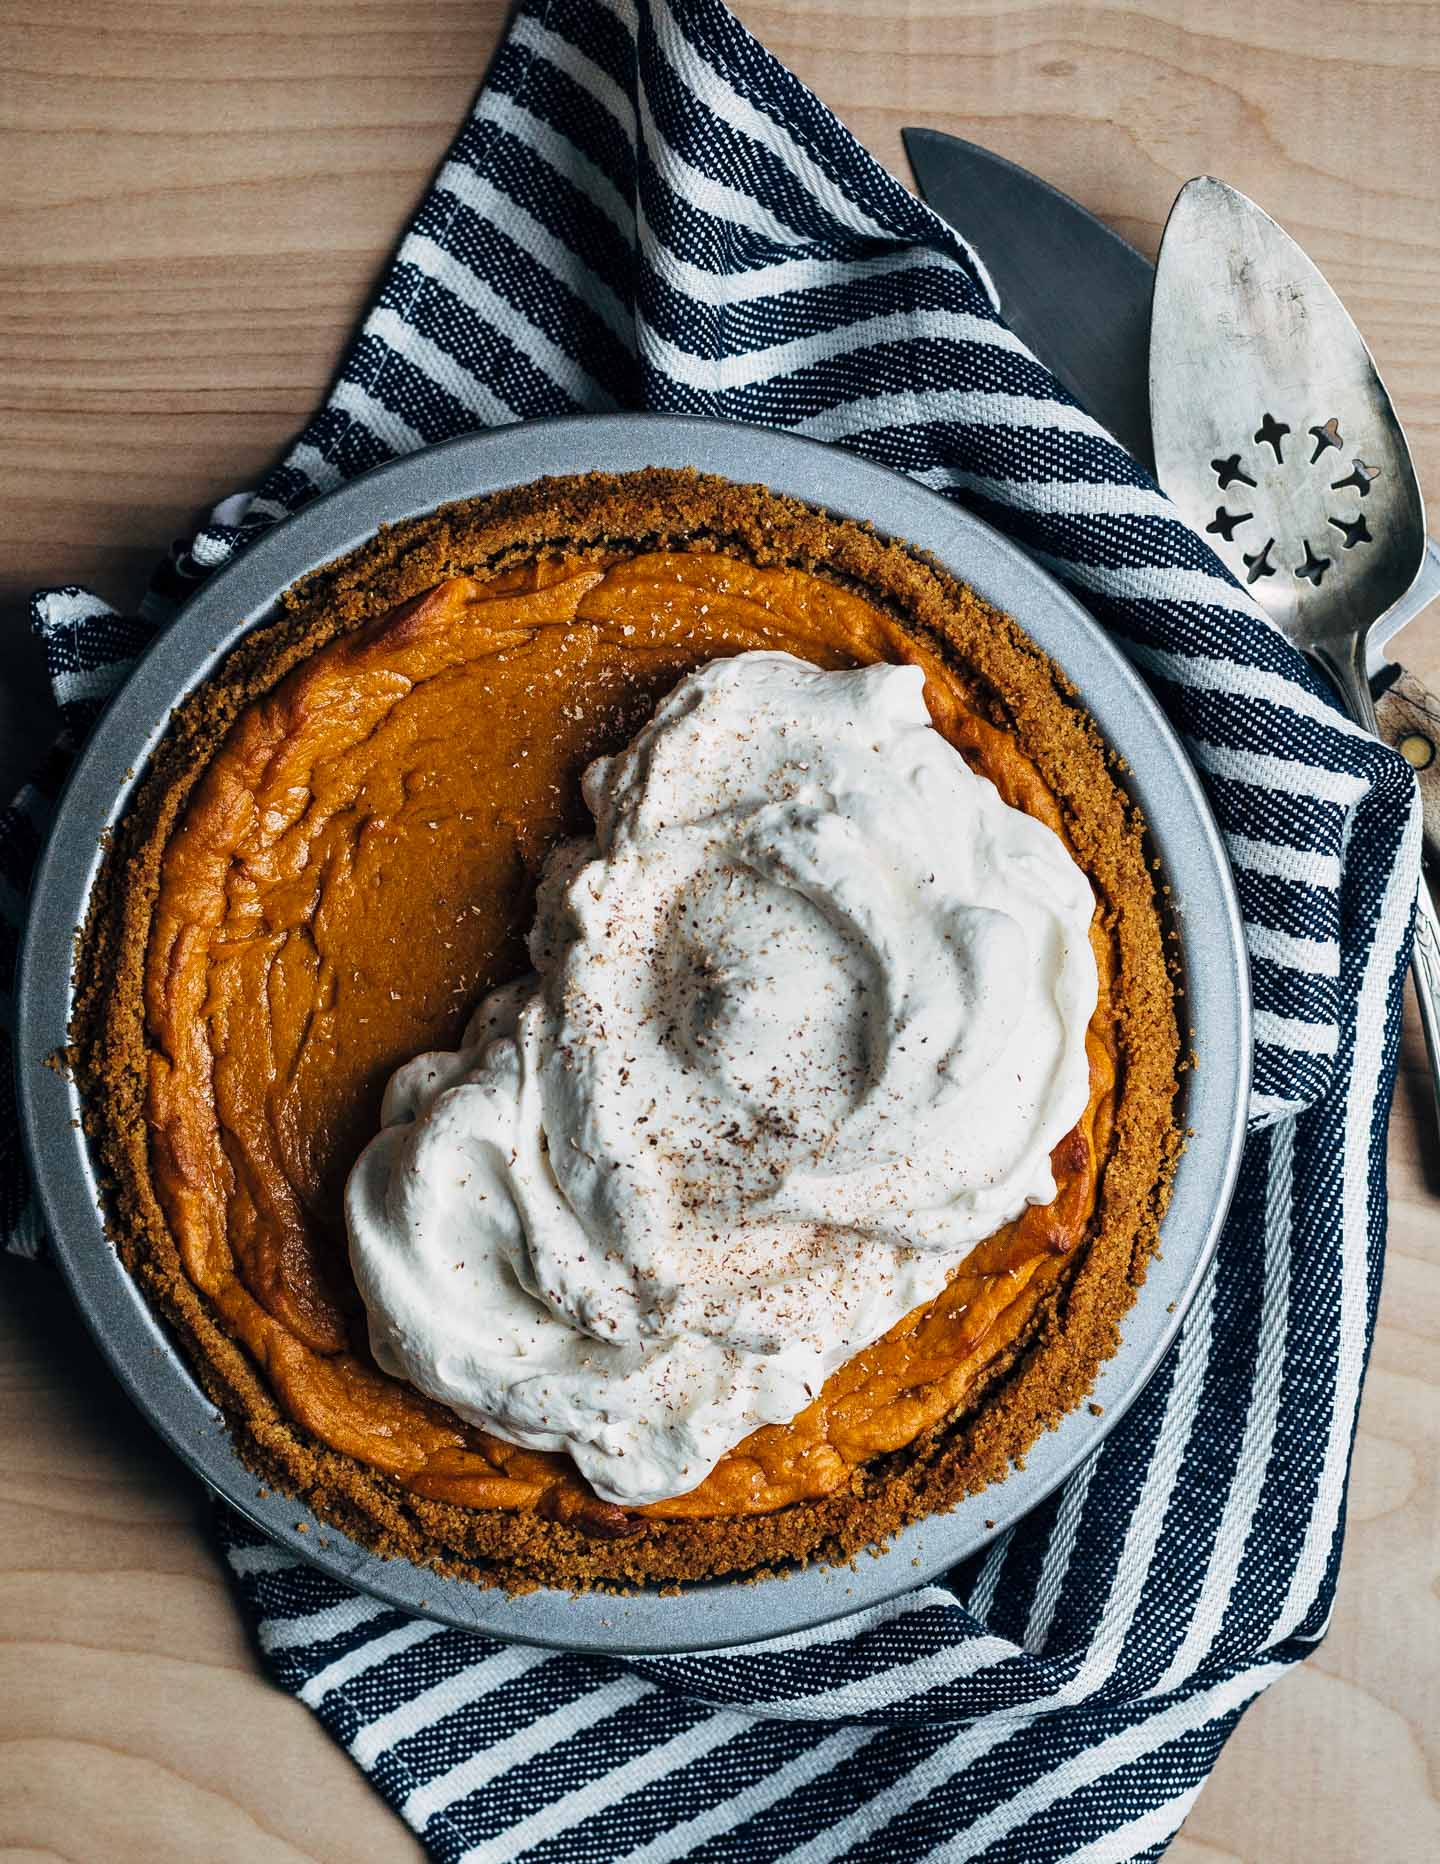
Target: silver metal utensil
x,y
1079,296
1274,434
1069,286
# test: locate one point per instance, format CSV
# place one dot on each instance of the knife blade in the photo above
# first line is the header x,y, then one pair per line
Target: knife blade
x,y
1079,296
1072,290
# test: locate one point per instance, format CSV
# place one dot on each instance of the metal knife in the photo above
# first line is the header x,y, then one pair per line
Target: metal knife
x,y
1079,296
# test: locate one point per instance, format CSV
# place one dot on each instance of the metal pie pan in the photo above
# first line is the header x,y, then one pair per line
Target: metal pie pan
x,y
1203,901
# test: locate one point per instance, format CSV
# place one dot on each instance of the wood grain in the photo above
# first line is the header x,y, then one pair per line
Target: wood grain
x,y
198,199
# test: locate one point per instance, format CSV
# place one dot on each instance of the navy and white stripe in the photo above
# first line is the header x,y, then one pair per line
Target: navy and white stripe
x,y
644,209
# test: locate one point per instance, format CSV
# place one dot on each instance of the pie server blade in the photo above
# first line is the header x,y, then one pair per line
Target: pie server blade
x,y
1079,295
1273,431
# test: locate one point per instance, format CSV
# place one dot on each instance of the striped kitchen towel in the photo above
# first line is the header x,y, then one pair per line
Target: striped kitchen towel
x,y
646,210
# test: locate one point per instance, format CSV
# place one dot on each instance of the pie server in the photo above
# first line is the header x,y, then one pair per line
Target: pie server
x,y
1267,410
1079,296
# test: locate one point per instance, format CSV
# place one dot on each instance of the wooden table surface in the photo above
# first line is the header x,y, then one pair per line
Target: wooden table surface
x,y
196,201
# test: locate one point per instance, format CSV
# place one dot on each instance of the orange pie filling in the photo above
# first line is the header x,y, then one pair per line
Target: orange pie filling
x,y
356,867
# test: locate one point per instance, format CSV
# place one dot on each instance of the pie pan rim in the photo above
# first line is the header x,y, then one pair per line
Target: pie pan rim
x,y
1204,913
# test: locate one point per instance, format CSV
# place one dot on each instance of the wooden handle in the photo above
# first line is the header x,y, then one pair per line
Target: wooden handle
x,y
1417,743
1408,714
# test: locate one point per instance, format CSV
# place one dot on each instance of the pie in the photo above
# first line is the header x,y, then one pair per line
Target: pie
x,y
333,855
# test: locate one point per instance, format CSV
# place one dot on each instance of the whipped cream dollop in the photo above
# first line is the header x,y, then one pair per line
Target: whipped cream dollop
x,y
808,1014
